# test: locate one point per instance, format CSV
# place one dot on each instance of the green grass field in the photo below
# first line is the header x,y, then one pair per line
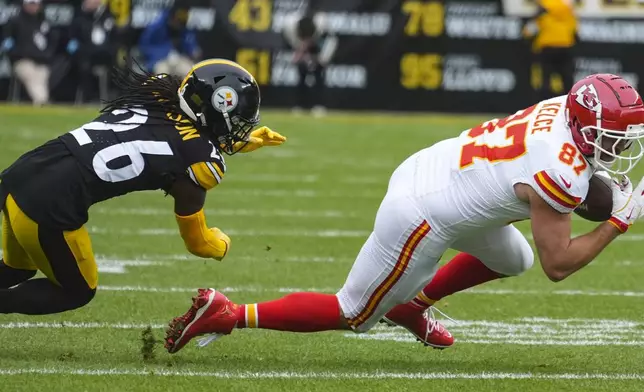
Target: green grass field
x,y
298,215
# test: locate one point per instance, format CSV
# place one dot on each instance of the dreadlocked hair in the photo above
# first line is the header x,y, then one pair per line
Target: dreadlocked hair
x,y
158,94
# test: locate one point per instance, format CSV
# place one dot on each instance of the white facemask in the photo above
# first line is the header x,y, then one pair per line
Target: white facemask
x,y
609,159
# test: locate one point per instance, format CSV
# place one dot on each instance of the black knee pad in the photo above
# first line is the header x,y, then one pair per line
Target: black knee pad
x,y
79,298
86,296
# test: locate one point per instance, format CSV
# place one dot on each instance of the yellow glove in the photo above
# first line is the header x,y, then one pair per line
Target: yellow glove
x,y
260,137
200,240
221,236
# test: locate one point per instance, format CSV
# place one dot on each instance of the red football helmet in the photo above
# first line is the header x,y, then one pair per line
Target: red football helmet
x,y
606,117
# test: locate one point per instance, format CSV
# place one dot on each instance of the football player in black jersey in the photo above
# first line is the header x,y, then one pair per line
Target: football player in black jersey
x,y
162,133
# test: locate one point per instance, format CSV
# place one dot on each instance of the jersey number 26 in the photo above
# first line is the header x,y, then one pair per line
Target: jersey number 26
x,y
133,149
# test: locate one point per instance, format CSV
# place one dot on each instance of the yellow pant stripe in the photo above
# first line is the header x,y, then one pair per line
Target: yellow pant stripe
x,y
251,316
26,232
399,269
81,247
13,254
421,297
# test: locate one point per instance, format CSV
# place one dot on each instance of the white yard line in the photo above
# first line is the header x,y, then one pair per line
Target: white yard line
x,y
273,178
331,233
624,263
296,259
623,237
154,258
112,269
322,233
283,233
585,326
301,193
252,289
242,212
514,341
161,259
145,289
589,293
119,266
323,375
307,179
364,180
541,331
67,324
231,212
327,160
107,262
129,262
528,331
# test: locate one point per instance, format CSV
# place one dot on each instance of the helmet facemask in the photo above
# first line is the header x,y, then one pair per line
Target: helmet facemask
x,y
239,130
610,144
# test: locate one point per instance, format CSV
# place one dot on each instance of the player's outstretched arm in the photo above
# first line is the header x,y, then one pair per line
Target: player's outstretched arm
x,y
560,255
189,200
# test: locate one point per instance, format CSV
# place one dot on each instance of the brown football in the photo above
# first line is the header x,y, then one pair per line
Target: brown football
x,y
598,205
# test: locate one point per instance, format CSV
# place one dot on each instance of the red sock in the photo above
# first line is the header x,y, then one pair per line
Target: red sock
x,y
297,312
462,272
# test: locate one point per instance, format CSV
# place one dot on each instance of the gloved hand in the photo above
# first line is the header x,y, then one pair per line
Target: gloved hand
x,y
627,203
221,236
260,137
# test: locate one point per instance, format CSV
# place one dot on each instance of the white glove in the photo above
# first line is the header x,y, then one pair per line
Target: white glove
x,y
627,203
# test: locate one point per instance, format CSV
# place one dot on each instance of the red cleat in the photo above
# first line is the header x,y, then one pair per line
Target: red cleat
x,y
211,313
422,325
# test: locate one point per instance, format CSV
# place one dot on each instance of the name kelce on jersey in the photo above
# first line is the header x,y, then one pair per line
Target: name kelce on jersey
x,y
545,117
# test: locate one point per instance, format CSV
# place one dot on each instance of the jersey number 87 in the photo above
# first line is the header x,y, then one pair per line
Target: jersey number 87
x,y
516,131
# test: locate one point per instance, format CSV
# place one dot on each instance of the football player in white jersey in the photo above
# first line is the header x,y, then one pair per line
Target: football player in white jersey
x,y
464,193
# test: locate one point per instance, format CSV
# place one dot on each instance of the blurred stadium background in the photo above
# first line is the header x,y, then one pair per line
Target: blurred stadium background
x,y
439,56
299,213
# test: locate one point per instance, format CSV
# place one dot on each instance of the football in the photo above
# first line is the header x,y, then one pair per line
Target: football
x,y
598,205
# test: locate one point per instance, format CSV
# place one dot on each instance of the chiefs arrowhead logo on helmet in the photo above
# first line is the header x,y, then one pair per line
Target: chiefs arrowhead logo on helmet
x,y
587,97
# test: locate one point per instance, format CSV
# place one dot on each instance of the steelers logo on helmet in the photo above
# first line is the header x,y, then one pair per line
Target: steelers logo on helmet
x,y
225,99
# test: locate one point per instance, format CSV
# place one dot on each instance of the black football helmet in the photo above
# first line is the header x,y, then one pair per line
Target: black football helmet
x,y
223,98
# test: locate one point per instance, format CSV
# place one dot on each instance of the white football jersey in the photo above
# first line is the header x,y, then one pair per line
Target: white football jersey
x,y
468,182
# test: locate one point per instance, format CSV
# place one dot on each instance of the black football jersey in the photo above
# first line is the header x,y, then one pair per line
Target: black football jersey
x,y
119,152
